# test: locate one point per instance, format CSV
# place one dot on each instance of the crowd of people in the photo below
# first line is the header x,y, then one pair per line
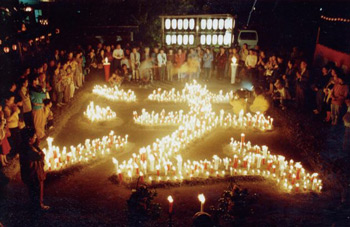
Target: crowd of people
x,y
26,116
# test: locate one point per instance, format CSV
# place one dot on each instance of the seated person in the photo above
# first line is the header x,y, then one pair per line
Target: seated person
x,y
125,73
239,103
260,103
116,79
281,94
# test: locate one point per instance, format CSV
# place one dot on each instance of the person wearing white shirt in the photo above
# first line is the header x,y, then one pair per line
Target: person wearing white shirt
x,y
161,57
135,63
250,64
118,55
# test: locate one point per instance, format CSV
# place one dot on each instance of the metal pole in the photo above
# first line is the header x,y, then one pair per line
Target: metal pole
x,y
251,11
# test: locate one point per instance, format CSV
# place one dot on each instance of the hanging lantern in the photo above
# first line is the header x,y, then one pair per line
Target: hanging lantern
x,y
208,39
179,24
221,24
215,39
185,24
191,39
202,39
30,42
6,50
203,24
173,23
173,39
14,47
0,42
179,39
209,24
42,37
167,24
24,28
185,39
168,39
57,31
192,24
215,24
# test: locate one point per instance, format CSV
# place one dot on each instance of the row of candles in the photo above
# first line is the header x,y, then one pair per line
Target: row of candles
x,y
114,93
244,159
57,158
189,90
96,113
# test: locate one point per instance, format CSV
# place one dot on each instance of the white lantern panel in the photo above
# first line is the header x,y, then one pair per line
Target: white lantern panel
x,y
221,24
191,39
202,39
227,38
208,39
167,24
215,39
228,23
179,39
220,39
209,24
191,24
173,23
173,39
185,24
215,24
179,24
185,39
168,39
203,24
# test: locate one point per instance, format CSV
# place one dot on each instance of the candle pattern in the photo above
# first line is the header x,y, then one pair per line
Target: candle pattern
x,y
114,93
96,113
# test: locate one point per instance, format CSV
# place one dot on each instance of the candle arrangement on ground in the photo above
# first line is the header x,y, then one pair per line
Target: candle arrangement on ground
x,y
57,158
190,90
114,93
96,113
162,161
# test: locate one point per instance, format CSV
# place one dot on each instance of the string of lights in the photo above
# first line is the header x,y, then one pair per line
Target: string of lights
x,y
335,19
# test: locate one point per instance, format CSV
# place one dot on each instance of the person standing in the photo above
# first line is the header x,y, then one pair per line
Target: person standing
x,y
27,105
161,57
170,64
302,82
118,55
135,64
250,64
37,96
4,143
155,63
339,93
207,63
32,168
221,60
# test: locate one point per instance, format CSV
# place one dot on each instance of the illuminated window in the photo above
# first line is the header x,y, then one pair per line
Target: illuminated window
x,y
215,39
185,24
173,23
173,39
208,39
191,39
179,24
168,39
167,24
215,24
191,24
221,24
185,39
179,39
227,38
202,39
228,23
209,24
203,24
220,39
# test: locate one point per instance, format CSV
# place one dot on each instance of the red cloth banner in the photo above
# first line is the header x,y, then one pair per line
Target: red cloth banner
x,y
324,54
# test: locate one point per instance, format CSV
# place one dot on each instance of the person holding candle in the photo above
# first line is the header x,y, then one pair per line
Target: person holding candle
x,y
32,168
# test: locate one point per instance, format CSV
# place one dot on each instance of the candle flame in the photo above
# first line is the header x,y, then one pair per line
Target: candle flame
x,y
201,198
170,199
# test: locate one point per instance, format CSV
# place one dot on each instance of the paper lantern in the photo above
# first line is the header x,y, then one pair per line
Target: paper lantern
x,y
208,39
14,47
209,24
179,39
173,23
185,24
227,38
203,24
168,39
215,24
215,39
179,24
185,39
202,39
220,39
173,39
191,24
167,24
221,24
228,23
191,39
6,49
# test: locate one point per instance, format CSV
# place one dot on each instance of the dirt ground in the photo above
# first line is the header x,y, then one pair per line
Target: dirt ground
x,y
85,195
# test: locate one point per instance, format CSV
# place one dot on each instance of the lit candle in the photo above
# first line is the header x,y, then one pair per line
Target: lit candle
x,y
171,201
202,200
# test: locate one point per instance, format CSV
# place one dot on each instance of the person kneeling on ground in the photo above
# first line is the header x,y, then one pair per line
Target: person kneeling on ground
x,y
32,168
115,79
260,103
239,103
